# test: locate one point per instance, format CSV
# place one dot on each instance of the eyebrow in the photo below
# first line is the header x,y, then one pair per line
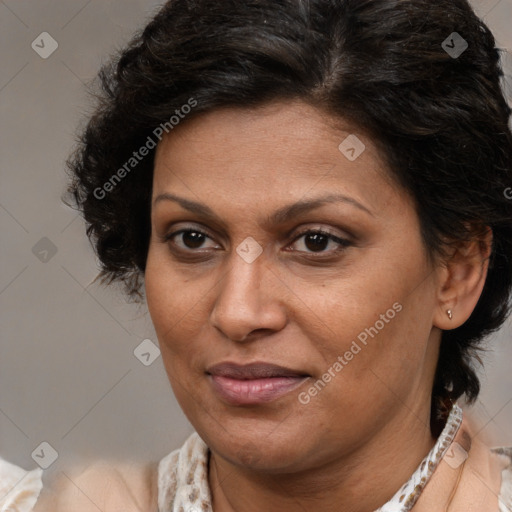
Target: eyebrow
x,y
280,216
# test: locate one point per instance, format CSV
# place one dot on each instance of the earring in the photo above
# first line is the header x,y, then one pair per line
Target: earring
x,y
449,313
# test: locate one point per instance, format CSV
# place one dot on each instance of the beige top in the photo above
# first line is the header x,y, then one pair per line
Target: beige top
x,y
19,489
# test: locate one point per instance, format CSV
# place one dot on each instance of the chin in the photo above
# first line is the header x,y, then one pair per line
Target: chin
x,y
265,452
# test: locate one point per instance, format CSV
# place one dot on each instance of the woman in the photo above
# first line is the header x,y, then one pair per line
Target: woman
x,y
313,195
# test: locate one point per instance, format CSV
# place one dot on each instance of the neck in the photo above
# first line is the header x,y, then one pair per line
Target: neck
x,y
359,482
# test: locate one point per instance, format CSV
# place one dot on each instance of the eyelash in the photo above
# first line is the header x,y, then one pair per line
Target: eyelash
x,y
341,241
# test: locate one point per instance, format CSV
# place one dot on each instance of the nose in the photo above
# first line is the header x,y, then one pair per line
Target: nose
x,y
249,301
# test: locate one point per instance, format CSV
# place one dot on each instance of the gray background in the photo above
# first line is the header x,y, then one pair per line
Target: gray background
x,y
68,374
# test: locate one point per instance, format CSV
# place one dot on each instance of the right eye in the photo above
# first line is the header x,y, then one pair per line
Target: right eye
x,y
190,238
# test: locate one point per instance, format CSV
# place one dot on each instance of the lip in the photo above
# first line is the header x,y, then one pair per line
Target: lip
x,y
253,383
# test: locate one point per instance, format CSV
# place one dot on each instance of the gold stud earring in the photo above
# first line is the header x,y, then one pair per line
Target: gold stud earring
x,y
449,313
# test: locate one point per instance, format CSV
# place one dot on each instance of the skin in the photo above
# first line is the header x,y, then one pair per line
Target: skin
x,y
299,307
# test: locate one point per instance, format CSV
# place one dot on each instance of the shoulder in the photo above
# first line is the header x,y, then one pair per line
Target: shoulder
x,y
181,476
505,497
19,489
127,487
493,466
470,475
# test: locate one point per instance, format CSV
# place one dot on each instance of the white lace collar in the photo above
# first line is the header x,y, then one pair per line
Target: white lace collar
x,y
183,474
405,498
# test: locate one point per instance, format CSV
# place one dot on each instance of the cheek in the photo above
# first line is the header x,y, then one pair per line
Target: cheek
x,y
168,308
162,298
175,306
377,318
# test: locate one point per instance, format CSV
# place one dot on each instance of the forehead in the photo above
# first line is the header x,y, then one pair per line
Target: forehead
x,y
279,150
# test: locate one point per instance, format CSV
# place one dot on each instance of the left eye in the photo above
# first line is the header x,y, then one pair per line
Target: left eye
x,y
317,240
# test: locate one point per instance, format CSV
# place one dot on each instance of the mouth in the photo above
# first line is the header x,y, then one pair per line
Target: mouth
x,y
253,383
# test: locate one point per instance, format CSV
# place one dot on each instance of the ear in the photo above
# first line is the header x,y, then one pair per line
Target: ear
x,y
461,280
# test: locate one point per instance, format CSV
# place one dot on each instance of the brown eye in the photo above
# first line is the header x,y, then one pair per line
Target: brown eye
x,y
316,241
190,238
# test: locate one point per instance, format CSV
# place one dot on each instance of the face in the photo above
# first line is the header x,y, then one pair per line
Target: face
x,y
336,290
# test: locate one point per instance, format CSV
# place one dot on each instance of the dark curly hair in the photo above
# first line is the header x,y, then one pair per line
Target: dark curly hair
x,y
440,119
